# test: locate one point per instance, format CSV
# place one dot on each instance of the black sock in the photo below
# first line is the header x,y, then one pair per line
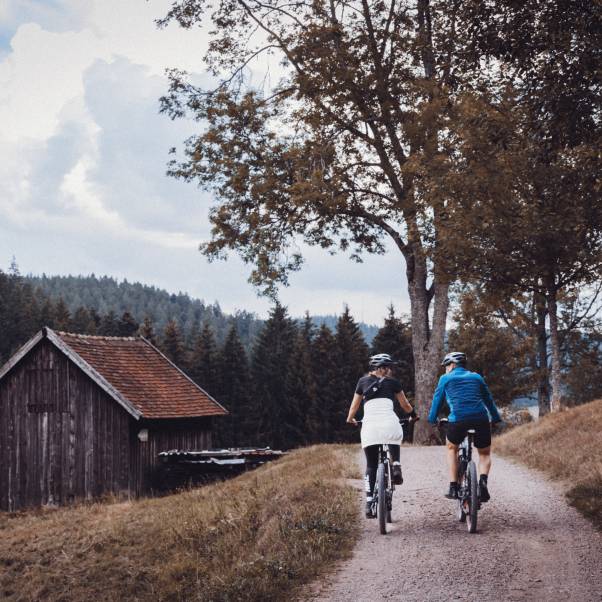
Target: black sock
x,y
483,479
453,484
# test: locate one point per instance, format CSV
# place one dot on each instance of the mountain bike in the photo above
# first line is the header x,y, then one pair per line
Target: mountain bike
x,y
468,484
382,498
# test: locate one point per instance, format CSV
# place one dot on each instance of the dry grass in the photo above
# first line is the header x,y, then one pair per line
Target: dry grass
x,y
256,537
567,446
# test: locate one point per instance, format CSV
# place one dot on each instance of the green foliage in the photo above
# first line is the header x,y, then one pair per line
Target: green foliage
x,y
171,343
395,338
301,387
325,369
351,363
203,362
236,429
271,362
104,294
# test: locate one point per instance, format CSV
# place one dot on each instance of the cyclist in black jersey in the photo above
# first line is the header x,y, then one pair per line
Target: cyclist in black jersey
x,y
377,392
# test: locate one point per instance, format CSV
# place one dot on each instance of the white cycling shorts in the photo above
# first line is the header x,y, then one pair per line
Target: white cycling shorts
x,y
380,423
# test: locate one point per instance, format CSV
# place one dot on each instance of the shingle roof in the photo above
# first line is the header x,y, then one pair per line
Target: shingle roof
x,y
142,375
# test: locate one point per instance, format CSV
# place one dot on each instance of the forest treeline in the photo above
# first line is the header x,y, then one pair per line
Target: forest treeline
x,y
105,294
290,387
290,382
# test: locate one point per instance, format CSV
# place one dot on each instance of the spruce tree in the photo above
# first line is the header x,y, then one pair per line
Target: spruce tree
x,y
147,331
203,368
47,313
234,430
352,363
109,325
127,326
270,363
325,370
395,338
62,317
171,343
81,321
300,388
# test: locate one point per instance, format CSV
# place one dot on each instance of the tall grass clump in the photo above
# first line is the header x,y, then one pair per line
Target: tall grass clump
x,y
567,446
256,537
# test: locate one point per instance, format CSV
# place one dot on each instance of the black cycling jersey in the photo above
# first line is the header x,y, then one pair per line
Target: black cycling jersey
x,y
371,387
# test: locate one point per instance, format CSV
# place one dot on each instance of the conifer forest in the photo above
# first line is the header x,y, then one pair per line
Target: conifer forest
x,y
288,381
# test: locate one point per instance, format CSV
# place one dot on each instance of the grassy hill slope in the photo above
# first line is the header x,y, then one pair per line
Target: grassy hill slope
x,y
255,537
566,446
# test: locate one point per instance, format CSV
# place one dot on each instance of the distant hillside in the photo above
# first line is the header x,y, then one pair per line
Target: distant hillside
x,y
104,293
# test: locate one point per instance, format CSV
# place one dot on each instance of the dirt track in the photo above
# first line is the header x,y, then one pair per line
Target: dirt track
x,y
530,544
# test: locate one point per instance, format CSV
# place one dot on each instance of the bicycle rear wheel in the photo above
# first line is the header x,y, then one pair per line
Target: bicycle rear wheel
x,y
473,500
381,510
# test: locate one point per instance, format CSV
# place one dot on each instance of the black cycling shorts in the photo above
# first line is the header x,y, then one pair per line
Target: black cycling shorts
x,y
456,431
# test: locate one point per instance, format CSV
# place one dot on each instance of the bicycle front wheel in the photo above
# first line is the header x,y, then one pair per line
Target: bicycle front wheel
x,y
473,500
381,510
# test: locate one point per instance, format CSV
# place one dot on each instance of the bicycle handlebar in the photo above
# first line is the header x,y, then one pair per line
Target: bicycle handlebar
x,y
402,421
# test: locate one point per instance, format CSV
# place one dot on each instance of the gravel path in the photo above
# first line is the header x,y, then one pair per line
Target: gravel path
x,y
530,544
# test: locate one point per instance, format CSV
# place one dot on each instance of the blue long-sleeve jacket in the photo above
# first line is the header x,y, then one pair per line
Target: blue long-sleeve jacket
x,y
467,395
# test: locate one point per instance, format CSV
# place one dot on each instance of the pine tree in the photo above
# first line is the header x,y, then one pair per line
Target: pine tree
x,y
395,338
171,343
234,429
270,363
325,370
352,362
203,367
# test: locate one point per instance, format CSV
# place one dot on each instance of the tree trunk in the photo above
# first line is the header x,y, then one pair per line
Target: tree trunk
x,y
543,385
427,341
556,380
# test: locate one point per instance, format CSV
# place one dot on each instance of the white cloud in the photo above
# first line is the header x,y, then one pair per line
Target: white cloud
x,y
84,150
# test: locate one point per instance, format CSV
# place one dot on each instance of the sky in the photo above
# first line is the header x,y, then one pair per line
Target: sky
x,y
83,153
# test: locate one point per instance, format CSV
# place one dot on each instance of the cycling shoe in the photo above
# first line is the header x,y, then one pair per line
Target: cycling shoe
x,y
483,492
452,493
370,510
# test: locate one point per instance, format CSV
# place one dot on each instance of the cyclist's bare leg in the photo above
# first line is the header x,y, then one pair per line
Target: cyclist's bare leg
x,y
452,461
484,460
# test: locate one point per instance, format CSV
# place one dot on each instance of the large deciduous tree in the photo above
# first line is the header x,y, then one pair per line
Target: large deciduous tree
x,y
530,142
334,154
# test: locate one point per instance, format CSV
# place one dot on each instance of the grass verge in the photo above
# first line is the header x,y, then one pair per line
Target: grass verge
x,y
256,537
566,446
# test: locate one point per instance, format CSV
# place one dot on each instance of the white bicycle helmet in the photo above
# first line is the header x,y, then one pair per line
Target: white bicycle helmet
x,y
380,360
455,357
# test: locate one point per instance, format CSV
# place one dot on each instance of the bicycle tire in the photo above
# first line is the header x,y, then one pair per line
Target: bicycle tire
x,y
381,505
462,483
473,492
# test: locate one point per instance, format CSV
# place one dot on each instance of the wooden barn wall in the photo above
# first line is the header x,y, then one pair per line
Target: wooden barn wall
x,y
62,438
163,435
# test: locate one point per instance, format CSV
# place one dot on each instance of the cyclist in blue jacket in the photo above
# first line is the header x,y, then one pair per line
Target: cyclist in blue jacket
x,y
471,407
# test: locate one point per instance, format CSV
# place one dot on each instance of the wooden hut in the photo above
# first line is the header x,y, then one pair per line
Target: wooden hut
x,y
83,416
